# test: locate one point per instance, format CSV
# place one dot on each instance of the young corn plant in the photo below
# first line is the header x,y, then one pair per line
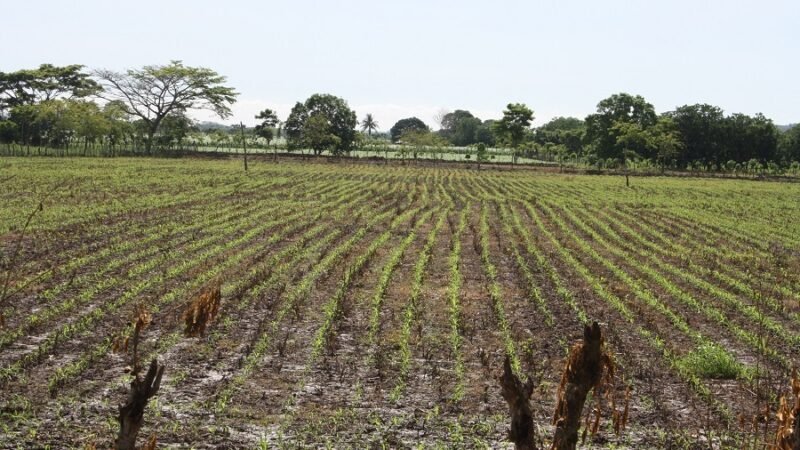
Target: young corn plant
x,y
454,294
495,293
410,311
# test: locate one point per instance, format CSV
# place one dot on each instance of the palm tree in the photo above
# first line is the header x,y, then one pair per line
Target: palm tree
x,y
369,125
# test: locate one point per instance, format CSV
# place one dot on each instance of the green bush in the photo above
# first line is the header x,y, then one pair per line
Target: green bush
x,y
711,361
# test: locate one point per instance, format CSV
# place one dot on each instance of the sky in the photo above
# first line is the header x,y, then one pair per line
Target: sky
x,y
419,58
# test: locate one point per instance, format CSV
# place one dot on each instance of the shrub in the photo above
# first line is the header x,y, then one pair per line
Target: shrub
x,y
711,361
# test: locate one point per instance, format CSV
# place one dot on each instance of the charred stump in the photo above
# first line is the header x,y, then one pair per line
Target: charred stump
x,y
517,395
131,414
586,366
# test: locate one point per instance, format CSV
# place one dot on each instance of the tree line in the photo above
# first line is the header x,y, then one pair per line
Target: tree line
x,y
145,110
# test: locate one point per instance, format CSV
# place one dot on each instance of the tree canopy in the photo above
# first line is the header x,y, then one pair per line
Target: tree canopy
x,y
789,144
405,125
565,131
47,82
613,113
154,92
269,120
58,108
333,127
516,121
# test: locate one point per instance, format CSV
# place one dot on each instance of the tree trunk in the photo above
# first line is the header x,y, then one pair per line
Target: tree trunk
x,y
148,143
517,395
244,146
583,372
131,414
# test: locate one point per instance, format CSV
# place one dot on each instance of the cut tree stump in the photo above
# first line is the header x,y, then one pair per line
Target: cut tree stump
x,y
517,395
584,371
131,414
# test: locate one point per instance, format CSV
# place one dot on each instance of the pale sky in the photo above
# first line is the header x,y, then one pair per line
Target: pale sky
x,y
416,58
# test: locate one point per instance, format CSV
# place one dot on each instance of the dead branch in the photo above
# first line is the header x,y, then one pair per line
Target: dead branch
x,y
588,365
517,395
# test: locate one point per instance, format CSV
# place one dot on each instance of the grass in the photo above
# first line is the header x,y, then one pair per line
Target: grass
x,y
711,361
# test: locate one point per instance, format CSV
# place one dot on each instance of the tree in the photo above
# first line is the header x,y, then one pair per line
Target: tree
x,y
48,82
747,137
421,141
319,134
8,131
339,121
405,125
660,142
481,155
566,131
269,120
87,122
119,128
485,133
293,128
511,129
460,127
369,125
154,92
665,142
173,130
789,144
619,108
701,131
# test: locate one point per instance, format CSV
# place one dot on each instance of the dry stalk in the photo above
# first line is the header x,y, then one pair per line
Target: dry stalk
x,y
788,417
202,309
151,443
588,368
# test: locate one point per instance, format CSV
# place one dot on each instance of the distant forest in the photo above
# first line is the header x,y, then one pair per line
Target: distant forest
x,y
144,111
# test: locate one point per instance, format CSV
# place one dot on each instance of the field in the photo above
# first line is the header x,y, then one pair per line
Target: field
x,y
372,307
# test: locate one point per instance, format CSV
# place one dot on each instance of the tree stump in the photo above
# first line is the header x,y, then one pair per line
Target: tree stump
x,y
517,395
131,414
584,371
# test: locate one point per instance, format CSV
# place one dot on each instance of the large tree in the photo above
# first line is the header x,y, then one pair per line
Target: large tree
x,y
789,144
47,82
602,128
405,125
334,118
566,131
293,128
749,137
514,125
460,127
701,128
319,134
154,92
